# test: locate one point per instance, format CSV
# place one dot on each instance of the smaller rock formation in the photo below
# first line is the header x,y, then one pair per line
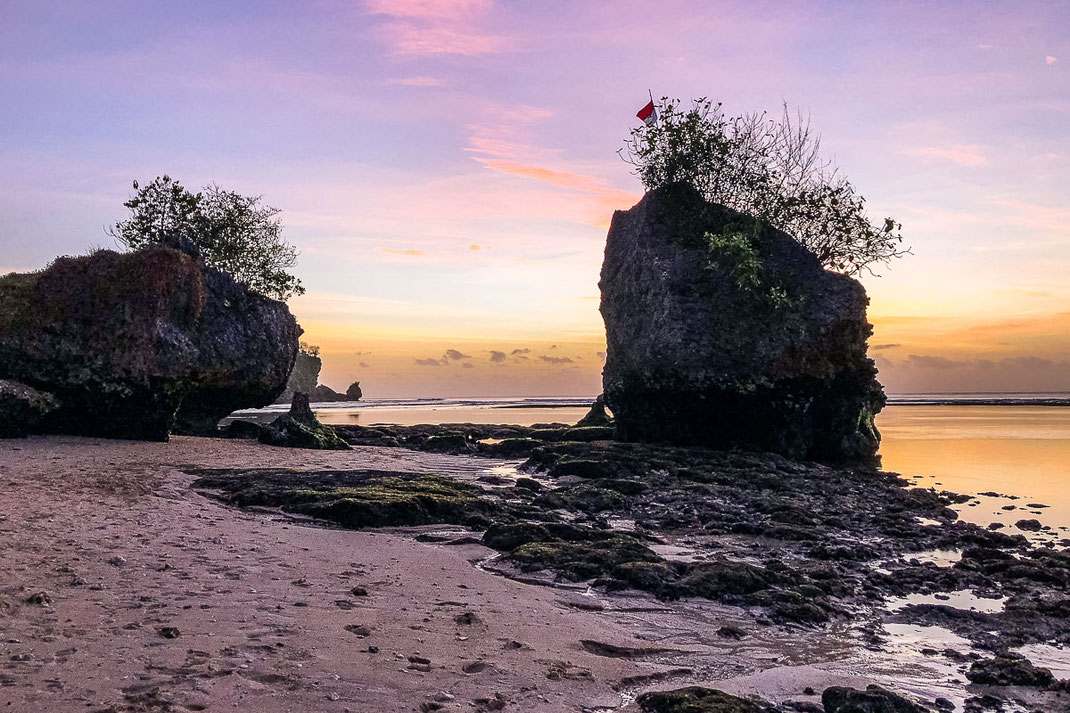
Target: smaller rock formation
x,y
303,378
724,332
22,409
353,393
597,416
300,429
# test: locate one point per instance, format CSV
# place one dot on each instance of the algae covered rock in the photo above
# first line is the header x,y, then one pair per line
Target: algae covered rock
x,y
727,333
841,699
1009,671
22,409
695,699
354,499
301,429
132,344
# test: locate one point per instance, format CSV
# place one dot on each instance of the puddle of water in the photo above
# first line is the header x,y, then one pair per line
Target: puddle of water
x,y
1047,656
677,553
503,471
490,441
941,558
912,638
962,599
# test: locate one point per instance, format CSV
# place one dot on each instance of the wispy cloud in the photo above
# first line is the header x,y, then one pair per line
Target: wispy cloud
x,y
962,154
407,38
455,355
436,27
427,9
556,360
395,251
1051,60
417,81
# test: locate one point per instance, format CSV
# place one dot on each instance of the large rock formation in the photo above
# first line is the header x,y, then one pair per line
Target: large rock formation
x,y
740,341
129,344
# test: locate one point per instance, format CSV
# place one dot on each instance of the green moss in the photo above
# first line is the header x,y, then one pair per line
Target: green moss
x,y
582,560
355,499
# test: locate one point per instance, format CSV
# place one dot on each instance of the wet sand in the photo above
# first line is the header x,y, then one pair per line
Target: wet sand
x,y
125,590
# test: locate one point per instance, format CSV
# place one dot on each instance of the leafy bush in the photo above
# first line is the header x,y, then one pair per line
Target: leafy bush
x,y
767,168
232,232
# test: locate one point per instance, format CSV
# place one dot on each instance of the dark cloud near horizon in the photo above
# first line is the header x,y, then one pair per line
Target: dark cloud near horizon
x,y
363,365
468,365
496,356
556,360
885,346
455,355
521,351
431,361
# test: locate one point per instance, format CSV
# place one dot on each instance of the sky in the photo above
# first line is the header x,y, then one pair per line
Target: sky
x,y
448,168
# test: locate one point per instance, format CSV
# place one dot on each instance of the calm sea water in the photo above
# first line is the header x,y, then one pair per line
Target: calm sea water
x,y
1012,444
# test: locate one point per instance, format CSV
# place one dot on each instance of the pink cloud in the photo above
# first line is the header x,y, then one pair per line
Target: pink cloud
x,y
962,154
427,9
394,251
407,38
1051,60
416,82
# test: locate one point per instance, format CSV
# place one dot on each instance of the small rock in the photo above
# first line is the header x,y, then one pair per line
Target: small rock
x,y
730,631
39,599
117,561
169,632
1029,525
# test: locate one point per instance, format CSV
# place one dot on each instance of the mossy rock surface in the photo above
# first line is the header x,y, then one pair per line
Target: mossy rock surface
x,y
695,699
354,499
577,553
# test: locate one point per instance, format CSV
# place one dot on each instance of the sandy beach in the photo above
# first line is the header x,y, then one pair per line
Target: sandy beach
x,y
118,555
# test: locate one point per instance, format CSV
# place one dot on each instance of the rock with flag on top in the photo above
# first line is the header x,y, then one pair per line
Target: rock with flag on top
x,y
648,113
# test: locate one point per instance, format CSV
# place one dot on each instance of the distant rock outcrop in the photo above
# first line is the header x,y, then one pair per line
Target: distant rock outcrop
x,y
353,393
303,378
753,347
324,394
134,345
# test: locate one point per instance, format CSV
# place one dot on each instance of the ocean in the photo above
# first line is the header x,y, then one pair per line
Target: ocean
x,y
1015,445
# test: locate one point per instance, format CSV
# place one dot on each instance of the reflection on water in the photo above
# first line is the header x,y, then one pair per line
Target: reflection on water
x,y
1022,451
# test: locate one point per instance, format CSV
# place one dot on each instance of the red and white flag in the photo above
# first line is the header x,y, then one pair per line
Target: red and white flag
x,y
648,114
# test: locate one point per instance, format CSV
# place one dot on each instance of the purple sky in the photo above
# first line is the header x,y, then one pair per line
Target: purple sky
x,y
448,168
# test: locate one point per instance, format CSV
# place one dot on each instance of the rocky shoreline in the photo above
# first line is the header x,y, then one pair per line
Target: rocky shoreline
x,y
796,545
